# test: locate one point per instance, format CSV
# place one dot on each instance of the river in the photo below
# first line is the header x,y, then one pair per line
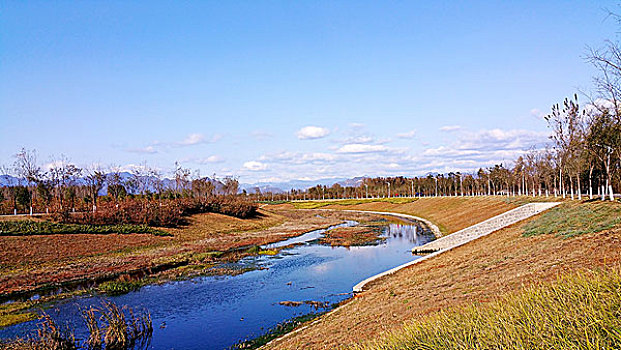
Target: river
x,y
215,312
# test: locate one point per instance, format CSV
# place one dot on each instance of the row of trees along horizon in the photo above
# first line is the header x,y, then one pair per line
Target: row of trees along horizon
x,y
68,193
583,158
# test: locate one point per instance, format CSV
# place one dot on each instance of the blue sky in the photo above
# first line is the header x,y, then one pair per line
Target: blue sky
x,y
278,90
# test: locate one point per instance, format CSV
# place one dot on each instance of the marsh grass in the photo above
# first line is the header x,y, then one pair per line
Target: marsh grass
x,y
581,311
569,220
16,312
31,227
277,331
110,327
118,287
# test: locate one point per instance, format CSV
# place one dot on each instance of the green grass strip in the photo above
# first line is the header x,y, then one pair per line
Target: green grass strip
x,y
569,220
30,228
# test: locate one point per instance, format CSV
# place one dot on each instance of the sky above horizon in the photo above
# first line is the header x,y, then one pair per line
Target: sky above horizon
x,y
281,90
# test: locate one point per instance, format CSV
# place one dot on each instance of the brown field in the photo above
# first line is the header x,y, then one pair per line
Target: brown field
x,y
29,263
482,270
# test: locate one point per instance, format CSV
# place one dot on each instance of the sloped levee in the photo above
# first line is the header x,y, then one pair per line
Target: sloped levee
x,y
466,235
486,227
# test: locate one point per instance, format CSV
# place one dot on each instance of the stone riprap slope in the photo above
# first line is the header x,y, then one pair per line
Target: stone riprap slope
x,y
484,228
466,235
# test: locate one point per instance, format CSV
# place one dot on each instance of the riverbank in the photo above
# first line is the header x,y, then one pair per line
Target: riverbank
x,y
520,255
302,278
81,262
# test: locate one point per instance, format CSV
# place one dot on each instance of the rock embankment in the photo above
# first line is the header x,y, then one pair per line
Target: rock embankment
x,y
466,235
484,228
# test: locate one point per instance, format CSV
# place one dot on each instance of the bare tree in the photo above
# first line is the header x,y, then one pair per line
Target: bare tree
x,y
63,175
26,168
230,185
95,180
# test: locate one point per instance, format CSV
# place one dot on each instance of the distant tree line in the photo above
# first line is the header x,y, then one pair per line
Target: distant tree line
x,y
114,196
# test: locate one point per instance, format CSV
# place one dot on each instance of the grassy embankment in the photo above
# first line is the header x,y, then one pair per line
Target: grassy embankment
x,y
461,282
579,311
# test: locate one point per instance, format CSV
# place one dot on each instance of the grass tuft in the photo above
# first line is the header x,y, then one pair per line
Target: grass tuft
x,y
581,311
115,288
277,331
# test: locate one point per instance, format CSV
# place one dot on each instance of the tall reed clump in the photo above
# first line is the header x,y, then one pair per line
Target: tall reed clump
x,y
109,328
54,337
581,311
117,328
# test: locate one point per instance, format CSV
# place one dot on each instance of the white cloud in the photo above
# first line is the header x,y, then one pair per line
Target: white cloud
x,y
447,128
361,148
261,135
192,139
196,139
145,150
255,166
359,139
407,135
299,158
210,159
318,156
312,132
535,112
444,151
497,139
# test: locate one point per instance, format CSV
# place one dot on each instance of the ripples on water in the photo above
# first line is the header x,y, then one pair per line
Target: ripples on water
x,y
218,311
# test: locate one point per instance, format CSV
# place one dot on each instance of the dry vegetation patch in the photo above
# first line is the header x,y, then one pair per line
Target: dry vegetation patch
x,y
356,236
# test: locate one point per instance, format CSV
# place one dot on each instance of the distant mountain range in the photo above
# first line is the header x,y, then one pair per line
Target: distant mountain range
x,y
280,187
275,187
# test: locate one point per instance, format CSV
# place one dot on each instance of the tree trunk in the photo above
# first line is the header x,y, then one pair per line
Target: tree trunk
x,y
591,182
560,182
579,188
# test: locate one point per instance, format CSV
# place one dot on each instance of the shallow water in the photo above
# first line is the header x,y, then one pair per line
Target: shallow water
x,y
216,312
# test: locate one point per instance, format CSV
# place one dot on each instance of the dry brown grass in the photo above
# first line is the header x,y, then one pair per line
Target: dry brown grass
x,y
481,270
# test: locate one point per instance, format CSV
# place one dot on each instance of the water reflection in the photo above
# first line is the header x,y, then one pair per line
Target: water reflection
x,y
216,312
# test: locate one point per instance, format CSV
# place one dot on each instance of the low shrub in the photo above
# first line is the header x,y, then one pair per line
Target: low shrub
x,y
158,213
